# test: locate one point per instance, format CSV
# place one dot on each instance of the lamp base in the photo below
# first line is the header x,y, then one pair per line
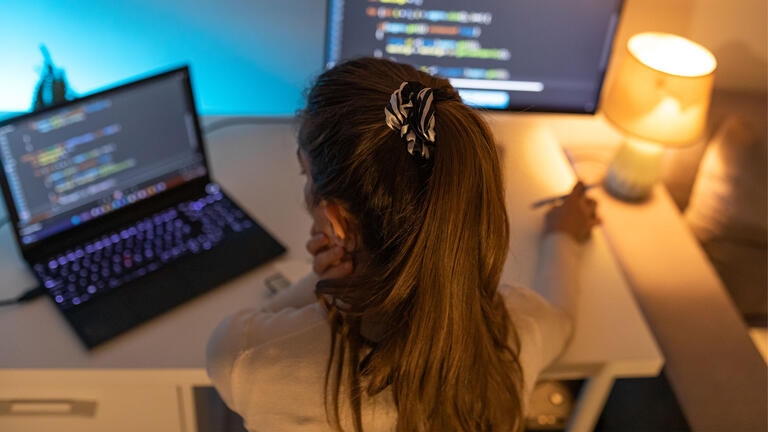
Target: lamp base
x,y
634,169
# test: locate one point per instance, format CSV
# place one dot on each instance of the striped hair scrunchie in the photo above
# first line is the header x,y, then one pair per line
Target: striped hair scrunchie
x,y
411,112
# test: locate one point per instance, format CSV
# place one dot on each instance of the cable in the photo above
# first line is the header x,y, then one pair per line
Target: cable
x,y
30,294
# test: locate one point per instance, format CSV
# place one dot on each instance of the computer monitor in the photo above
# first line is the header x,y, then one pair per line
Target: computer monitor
x,y
522,55
76,164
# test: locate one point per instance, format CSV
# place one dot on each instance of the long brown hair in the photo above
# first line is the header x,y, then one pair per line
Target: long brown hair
x,y
435,237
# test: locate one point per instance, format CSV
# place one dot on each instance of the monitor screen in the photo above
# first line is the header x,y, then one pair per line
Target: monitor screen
x,y
543,55
88,158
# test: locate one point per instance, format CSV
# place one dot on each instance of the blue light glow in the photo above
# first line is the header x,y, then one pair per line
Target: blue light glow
x,y
246,57
485,98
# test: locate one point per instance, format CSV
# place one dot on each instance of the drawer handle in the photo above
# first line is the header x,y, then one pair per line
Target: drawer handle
x,y
36,407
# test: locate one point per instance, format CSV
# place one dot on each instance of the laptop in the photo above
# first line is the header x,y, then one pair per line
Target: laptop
x,y
113,207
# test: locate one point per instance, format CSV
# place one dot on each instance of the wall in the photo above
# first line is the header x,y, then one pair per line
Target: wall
x,y
247,57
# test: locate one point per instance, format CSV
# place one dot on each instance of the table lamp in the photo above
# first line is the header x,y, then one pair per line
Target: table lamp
x,y
659,97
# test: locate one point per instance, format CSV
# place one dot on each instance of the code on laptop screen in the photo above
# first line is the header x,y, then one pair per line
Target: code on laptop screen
x,y
68,166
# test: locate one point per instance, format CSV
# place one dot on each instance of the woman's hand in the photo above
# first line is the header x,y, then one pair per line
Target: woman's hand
x,y
576,215
329,261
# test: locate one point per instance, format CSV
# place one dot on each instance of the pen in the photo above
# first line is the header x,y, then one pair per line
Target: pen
x,y
546,201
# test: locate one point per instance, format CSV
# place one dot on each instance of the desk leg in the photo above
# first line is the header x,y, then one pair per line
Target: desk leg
x,y
187,415
591,400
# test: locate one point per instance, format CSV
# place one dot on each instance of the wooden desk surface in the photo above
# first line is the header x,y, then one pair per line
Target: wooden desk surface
x,y
256,164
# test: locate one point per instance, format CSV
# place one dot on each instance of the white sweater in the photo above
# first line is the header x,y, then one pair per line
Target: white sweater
x,y
269,364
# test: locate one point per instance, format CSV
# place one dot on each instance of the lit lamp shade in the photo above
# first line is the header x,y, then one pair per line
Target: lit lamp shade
x,y
661,89
659,96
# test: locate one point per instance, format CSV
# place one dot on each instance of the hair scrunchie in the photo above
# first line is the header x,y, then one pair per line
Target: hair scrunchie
x,y
411,112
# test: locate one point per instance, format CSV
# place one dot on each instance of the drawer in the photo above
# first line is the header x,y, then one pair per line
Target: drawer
x,y
92,408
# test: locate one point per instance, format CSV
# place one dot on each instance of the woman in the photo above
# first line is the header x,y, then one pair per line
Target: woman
x,y
403,325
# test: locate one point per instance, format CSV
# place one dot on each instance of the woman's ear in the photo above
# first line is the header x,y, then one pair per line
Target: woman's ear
x,y
340,225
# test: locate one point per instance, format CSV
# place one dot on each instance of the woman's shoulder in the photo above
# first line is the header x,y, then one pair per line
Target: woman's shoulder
x,y
252,328
268,366
258,359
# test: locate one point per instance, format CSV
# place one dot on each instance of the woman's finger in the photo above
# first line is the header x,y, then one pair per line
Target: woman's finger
x,y
578,188
338,271
316,243
325,259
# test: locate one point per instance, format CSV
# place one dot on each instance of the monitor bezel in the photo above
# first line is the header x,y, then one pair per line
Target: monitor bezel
x,y
53,242
517,108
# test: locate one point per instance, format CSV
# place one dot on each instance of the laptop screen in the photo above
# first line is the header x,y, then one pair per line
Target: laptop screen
x,y
79,162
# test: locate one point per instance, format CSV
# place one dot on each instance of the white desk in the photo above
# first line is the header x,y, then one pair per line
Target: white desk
x,y
256,163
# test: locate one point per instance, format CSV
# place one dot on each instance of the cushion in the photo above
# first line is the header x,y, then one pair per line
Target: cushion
x,y
680,165
728,213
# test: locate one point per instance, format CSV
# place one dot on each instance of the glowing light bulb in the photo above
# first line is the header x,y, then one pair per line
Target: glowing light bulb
x,y
672,54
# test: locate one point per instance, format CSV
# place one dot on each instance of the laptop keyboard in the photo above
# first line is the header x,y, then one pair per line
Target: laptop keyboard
x,y
114,259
